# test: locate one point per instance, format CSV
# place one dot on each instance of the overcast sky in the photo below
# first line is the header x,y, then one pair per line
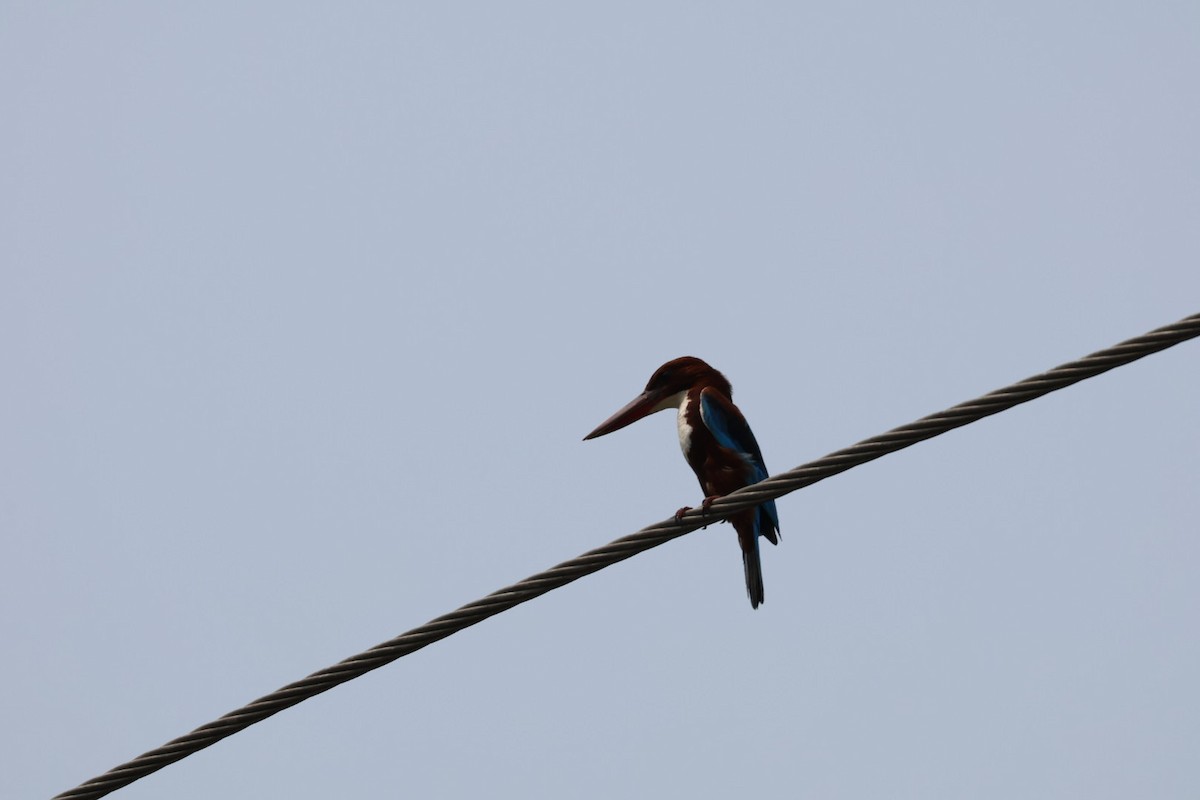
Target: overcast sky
x,y
305,308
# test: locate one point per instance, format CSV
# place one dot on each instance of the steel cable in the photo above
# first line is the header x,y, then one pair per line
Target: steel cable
x,y
628,546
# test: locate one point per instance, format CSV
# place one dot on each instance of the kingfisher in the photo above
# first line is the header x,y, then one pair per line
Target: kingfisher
x,y
717,444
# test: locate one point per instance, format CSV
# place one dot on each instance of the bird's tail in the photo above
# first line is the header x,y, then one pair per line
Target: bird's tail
x,y
753,566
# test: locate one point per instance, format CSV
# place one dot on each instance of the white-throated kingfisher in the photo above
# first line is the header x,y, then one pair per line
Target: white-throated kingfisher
x,y
718,445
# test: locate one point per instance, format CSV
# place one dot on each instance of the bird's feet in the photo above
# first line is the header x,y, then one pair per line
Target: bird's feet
x,y
705,504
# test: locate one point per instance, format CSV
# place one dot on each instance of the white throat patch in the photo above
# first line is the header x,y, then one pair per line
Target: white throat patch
x,y
685,429
678,400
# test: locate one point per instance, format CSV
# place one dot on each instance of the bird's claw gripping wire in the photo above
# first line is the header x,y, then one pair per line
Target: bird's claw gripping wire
x,y
705,504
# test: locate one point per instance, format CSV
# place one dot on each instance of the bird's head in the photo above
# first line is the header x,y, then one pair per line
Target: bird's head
x,y
667,388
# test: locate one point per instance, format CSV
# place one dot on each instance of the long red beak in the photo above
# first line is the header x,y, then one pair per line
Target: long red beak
x,y
643,405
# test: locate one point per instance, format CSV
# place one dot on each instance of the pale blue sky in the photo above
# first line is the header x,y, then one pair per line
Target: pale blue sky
x,y
306,308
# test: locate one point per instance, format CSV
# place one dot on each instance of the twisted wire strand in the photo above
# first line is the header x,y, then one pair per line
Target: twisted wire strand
x,y
632,544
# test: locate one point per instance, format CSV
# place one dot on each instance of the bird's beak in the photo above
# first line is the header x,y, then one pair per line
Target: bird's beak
x,y
643,405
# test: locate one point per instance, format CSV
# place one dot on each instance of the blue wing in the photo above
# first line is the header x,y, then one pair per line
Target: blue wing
x,y
731,431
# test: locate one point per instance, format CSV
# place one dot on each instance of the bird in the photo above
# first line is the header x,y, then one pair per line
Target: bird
x,y
717,444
